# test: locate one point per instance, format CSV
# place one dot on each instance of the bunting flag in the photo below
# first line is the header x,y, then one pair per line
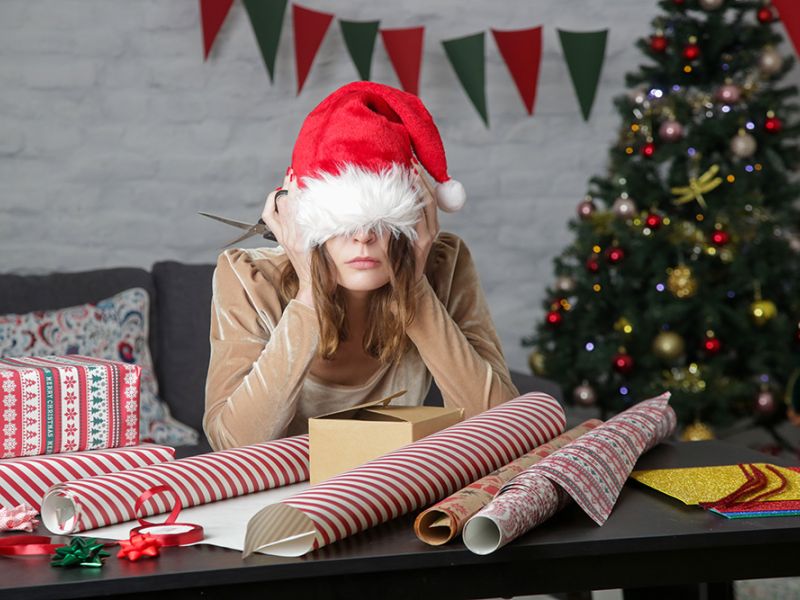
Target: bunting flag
x,y
789,11
266,17
522,51
310,27
359,37
584,53
404,47
212,16
466,54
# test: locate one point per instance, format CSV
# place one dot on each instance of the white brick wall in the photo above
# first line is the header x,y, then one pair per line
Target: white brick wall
x,y
114,133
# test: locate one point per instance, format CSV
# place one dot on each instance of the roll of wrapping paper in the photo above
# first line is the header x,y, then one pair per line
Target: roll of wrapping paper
x,y
27,479
591,471
442,522
406,479
99,501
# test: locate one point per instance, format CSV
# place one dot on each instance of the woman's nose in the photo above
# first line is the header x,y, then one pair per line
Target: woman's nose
x,y
364,237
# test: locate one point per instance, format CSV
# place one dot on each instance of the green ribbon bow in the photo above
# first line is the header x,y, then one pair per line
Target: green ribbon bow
x,y
83,552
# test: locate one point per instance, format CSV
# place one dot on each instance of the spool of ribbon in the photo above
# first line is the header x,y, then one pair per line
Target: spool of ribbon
x,y
170,532
697,187
27,545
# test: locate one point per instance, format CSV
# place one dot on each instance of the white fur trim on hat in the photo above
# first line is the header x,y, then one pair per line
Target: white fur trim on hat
x,y
356,200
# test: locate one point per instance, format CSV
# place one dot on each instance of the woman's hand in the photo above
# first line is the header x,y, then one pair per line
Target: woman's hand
x,y
279,216
428,226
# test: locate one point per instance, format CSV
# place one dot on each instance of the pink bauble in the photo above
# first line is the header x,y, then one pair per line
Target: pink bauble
x,y
729,93
670,131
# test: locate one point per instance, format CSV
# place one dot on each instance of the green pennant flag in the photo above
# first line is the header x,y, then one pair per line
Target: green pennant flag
x,y
584,53
266,17
359,36
466,54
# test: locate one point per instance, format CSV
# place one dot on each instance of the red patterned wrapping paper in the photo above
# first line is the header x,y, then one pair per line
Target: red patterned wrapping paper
x,y
445,520
99,501
397,483
591,471
27,479
54,404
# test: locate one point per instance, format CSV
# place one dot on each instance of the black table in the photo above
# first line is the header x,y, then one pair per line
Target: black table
x,y
649,540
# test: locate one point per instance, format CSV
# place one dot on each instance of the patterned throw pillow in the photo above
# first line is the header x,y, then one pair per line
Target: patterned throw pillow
x,y
115,328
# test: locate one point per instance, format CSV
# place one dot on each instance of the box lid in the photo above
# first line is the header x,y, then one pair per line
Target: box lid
x,y
346,413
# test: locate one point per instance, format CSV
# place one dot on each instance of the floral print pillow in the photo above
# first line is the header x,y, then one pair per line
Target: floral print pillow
x,y
115,328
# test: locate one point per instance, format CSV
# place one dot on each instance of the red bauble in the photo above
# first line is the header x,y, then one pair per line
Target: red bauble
x,y
592,265
720,238
653,221
648,149
679,2
712,346
658,43
765,14
773,125
691,51
554,318
615,255
623,363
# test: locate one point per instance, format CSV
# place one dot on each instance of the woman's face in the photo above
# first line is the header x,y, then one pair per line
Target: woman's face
x,y
362,260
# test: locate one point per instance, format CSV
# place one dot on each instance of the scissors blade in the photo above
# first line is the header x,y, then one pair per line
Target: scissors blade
x,y
234,222
244,236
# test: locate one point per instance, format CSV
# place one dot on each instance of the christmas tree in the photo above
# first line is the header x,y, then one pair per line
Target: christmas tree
x,y
684,272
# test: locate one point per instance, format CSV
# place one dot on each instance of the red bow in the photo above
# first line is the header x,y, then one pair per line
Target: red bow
x,y
139,546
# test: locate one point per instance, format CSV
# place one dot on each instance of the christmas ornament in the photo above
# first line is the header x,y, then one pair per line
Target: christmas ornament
x,y
711,4
658,43
765,402
653,221
592,265
623,363
697,432
765,14
584,395
720,237
670,131
681,282
728,93
623,207
697,187
565,284
84,552
586,208
691,51
770,62
743,145
712,345
668,346
536,362
623,325
679,2
554,318
763,311
648,149
773,124
615,255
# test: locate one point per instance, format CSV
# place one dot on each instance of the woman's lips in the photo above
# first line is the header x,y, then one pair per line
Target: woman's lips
x,y
364,263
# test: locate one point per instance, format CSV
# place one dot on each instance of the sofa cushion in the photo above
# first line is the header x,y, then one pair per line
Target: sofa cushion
x,y
184,312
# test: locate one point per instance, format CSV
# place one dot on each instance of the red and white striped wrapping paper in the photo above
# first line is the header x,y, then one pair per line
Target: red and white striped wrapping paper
x,y
99,501
54,404
591,471
27,479
411,477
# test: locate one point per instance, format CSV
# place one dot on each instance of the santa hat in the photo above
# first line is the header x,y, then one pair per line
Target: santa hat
x,y
352,160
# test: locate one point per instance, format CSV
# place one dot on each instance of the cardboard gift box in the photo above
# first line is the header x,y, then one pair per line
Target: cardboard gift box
x,y
54,404
344,439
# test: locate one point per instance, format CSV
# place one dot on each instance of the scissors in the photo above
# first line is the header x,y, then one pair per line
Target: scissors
x,y
251,229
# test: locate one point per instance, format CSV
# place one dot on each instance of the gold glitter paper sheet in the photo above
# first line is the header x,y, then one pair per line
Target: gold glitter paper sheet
x,y
694,485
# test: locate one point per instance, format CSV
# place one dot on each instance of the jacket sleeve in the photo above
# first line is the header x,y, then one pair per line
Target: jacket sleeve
x,y
259,357
457,339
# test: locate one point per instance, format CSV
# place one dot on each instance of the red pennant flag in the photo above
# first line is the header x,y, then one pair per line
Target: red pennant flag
x,y
789,11
404,47
212,16
522,51
310,27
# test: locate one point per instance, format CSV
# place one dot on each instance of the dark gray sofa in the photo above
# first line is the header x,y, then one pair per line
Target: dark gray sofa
x,y
180,310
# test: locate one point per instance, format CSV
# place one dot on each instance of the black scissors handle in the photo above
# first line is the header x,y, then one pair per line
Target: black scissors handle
x,y
267,235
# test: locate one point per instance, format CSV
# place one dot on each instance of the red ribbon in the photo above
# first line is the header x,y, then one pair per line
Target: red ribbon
x,y
191,533
27,545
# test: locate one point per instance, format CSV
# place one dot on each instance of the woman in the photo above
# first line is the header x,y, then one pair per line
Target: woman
x,y
363,297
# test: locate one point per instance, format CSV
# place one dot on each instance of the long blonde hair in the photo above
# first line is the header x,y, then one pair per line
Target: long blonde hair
x,y
391,307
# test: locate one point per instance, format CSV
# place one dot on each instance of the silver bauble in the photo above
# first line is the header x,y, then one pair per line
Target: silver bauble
x,y
624,208
584,395
743,145
565,284
711,4
670,131
770,62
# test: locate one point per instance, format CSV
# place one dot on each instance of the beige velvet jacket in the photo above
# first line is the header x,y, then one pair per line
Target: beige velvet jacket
x,y
259,386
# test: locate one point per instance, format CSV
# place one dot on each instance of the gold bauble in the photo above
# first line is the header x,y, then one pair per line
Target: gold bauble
x,y
668,346
697,432
681,282
762,311
536,362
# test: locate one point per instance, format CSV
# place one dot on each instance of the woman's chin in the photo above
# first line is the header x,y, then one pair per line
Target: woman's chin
x,y
363,282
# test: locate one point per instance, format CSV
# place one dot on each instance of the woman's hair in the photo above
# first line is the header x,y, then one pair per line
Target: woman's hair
x,y
391,307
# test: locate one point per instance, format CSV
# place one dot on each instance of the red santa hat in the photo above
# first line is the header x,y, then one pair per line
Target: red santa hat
x,y
352,160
